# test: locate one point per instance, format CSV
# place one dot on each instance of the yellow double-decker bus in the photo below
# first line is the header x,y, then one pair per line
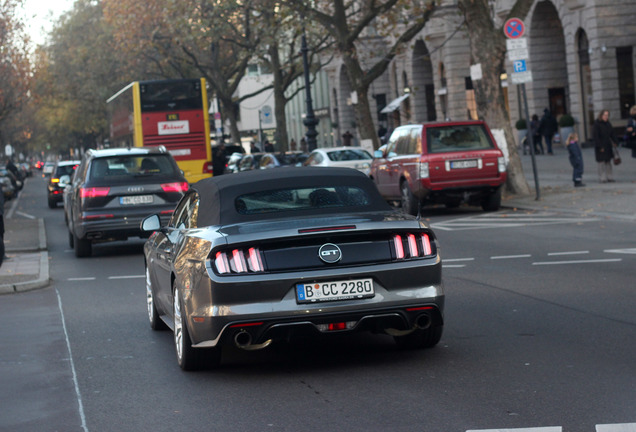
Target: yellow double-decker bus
x,y
171,113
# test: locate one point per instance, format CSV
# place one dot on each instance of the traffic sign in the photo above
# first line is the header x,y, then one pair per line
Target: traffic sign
x,y
519,66
513,44
518,54
514,28
521,77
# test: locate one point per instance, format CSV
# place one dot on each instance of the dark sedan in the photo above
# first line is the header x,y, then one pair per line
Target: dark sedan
x,y
265,255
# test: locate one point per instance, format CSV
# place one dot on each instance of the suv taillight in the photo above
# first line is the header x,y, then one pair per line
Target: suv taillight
x,y
423,170
94,192
501,164
175,187
207,168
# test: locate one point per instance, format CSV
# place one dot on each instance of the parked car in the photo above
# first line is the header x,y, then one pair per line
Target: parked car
x,y
114,189
56,185
262,255
250,161
16,183
283,159
345,157
448,163
47,168
8,190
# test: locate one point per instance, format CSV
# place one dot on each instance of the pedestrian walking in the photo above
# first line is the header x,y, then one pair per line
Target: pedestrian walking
x,y
548,127
219,160
630,131
536,135
576,159
269,147
604,146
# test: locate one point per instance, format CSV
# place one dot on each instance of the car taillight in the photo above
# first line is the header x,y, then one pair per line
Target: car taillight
x,y
175,187
412,245
239,261
207,168
501,164
94,192
424,171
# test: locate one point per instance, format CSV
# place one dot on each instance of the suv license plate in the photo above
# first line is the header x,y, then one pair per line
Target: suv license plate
x,y
136,199
338,290
463,164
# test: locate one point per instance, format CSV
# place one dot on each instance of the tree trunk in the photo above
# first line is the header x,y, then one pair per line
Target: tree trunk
x,y
488,48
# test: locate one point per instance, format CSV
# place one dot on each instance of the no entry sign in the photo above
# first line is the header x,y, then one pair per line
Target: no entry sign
x,y
514,28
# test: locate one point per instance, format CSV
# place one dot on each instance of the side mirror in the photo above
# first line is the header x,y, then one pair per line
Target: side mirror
x,y
65,180
378,154
151,223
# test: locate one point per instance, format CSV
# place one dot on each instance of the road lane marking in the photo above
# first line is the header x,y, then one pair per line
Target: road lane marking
x,y
568,253
618,427
506,220
578,261
81,279
453,265
510,257
459,259
26,215
621,251
127,277
72,364
539,429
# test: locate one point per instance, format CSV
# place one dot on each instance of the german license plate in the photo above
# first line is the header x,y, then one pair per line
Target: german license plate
x,y
136,199
337,290
463,164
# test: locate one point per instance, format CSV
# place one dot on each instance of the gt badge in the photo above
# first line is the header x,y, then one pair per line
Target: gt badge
x,y
330,253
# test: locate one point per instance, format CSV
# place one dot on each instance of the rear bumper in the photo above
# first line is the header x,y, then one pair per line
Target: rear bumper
x,y
101,228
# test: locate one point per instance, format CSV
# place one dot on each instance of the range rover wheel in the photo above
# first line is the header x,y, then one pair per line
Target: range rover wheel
x,y
493,202
71,240
190,358
409,203
420,338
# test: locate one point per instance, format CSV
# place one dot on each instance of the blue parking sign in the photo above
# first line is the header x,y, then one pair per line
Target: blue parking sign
x,y
519,65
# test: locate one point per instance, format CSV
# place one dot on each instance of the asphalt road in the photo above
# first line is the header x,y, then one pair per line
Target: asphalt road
x,y
539,334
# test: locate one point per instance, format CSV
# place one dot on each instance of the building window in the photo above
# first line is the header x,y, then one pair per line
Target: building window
x,y
625,79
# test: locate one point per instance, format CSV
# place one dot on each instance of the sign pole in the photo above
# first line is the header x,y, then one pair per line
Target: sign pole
x,y
530,139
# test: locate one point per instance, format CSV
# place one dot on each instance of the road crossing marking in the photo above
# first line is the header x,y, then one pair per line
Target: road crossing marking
x,y
618,427
506,220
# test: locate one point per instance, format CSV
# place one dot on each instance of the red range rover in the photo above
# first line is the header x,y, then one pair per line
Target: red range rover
x,y
441,163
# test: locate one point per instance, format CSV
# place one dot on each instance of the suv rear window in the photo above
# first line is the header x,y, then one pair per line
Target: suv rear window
x,y
125,167
65,170
457,138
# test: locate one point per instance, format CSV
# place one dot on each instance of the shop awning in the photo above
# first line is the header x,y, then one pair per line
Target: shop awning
x,y
395,104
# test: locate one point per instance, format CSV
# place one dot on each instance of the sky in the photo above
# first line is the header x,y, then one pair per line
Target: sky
x,y
39,16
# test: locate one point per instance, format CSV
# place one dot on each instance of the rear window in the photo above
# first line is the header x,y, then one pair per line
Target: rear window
x,y
65,170
294,199
121,167
348,155
457,138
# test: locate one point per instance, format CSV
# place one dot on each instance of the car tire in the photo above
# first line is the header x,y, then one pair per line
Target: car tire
x,y
420,338
189,358
492,202
71,240
156,323
408,201
83,247
52,203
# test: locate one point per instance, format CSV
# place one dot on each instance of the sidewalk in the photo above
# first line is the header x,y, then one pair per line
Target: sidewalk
x,y
25,239
558,194
28,264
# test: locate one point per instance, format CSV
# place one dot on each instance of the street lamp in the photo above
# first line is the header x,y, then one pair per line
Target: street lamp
x,y
310,119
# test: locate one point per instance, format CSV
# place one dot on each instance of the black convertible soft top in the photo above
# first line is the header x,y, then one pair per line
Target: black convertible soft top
x,y
218,194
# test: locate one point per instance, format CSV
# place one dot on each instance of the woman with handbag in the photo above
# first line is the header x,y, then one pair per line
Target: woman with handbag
x,y
604,146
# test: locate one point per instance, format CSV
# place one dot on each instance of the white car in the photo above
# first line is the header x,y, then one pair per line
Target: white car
x,y
343,157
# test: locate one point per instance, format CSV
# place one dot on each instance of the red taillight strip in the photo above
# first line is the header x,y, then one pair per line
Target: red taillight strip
x,y
419,308
399,249
255,262
310,230
253,324
412,245
238,259
94,192
221,263
97,216
426,245
175,187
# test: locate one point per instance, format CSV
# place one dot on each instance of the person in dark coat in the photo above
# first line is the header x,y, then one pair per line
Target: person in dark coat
x,y
548,127
604,143
576,159
536,135
630,131
219,160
